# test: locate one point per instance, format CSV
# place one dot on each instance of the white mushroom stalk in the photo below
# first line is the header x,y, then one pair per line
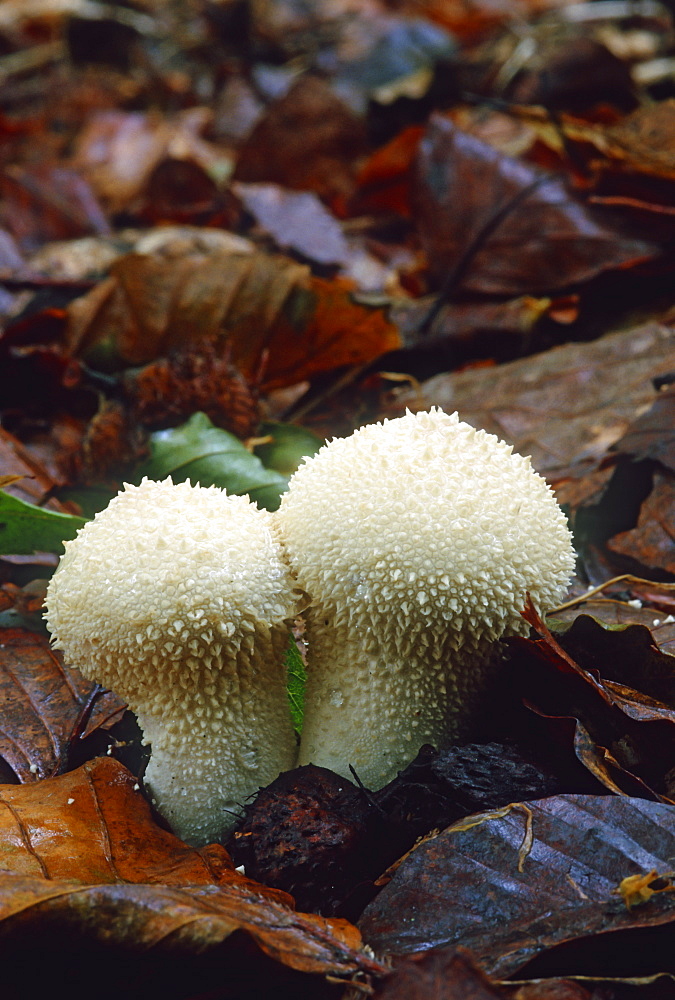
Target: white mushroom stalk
x,y
176,597
417,539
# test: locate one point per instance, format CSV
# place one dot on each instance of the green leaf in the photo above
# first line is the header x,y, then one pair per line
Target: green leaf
x,y
205,454
90,499
296,680
288,447
25,529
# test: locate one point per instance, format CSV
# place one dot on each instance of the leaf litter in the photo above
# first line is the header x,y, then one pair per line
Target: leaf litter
x,y
354,202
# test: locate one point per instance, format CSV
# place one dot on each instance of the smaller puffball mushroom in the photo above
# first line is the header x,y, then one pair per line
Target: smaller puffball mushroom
x,y
176,597
418,539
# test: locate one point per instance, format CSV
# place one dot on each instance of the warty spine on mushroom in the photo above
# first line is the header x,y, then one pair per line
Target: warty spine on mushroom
x,y
177,598
417,539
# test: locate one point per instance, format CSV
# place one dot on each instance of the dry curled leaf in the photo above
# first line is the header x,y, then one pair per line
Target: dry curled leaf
x,y
42,703
274,318
83,849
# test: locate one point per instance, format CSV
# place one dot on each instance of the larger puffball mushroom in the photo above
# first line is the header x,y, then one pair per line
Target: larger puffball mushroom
x,y
417,539
177,598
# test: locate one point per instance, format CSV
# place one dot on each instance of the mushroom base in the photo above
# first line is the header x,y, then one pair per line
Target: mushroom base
x,y
200,782
372,709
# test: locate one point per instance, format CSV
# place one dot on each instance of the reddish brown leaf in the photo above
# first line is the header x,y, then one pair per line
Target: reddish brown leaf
x,y
118,151
642,141
443,974
629,164
385,178
308,139
48,203
83,849
41,704
34,482
652,542
546,240
259,306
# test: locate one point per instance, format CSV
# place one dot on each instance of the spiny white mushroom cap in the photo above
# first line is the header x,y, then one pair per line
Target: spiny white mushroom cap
x,y
177,598
417,539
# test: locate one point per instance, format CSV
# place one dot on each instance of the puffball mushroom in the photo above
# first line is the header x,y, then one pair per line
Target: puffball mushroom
x,y
177,598
417,539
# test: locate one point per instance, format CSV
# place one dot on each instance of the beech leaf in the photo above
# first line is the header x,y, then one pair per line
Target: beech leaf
x,y
513,883
548,240
288,446
25,529
41,705
297,679
83,849
210,456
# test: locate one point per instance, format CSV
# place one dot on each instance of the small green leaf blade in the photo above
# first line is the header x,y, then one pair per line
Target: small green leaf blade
x,y
288,446
296,676
25,528
206,454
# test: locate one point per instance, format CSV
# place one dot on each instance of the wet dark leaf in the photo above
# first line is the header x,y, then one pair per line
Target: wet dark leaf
x,y
546,241
651,435
652,542
627,654
511,884
443,974
562,407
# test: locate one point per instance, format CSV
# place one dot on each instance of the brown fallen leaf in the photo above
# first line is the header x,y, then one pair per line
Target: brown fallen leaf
x,y
546,240
652,541
438,974
42,203
628,166
652,434
632,655
117,151
622,735
384,180
308,139
83,849
612,611
42,703
566,407
31,483
640,144
269,313
573,73
465,887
